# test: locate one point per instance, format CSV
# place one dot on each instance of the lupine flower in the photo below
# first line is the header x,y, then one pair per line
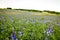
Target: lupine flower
x,y
14,36
20,33
48,34
49,31
16,39
45,21
52,30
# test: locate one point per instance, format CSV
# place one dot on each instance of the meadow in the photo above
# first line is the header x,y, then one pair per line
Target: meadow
x,y
24,25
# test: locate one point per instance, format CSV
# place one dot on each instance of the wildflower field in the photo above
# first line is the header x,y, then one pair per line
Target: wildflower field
x,y
24,25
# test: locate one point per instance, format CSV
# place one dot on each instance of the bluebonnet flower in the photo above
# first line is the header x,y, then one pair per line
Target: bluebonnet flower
x,y
14,36
20,33
16,39
45,21
52,30
49,31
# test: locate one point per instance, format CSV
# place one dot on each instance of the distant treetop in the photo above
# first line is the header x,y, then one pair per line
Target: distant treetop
x,y
9,8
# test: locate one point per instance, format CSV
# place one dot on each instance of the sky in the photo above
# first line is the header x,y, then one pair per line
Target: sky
x,y
53,5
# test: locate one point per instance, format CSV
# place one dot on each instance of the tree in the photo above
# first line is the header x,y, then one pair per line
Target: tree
x,y
9,8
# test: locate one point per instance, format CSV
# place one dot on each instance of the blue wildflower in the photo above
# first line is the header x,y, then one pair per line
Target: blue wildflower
x,y
49,31
14,36
20,33
52,31
45,21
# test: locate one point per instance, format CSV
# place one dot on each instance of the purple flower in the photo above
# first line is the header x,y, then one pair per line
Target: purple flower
x,y
14,36
49,31
20,33
45,21
52,31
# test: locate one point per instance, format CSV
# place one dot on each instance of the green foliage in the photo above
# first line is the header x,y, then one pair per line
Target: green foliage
x,y
52,12
30,10
30,30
